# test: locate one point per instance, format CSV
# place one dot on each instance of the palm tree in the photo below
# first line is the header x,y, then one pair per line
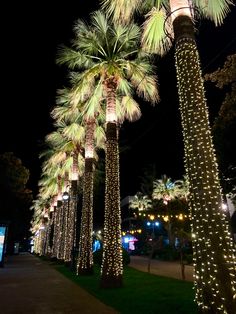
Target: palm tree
x,y
215,282
91,116
109,56
140,202
94,133
67,141
167,190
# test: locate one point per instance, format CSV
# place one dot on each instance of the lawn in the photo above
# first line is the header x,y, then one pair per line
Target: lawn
x,y
141,293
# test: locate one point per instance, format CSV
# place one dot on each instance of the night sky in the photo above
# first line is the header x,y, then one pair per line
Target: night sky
x,y
30,35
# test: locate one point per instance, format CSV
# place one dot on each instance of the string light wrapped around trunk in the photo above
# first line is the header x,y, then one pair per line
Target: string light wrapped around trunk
x,y
112,263
213,248
85,258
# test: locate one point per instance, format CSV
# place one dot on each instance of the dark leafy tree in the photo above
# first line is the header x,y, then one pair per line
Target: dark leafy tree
x,y
15,198
224,128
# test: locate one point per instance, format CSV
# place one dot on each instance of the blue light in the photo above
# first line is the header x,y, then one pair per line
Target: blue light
x,y
2,239
96,245
148,223
157,223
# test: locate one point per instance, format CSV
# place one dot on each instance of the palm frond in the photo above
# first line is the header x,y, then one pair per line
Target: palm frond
x,y
72,58
65,113
100,137
215,10
56,159
63,96
121,10
145,83
55,138
124,86
74,132
154,39
127,38
84,83
130,108
92,107
147,88
81,28
99,21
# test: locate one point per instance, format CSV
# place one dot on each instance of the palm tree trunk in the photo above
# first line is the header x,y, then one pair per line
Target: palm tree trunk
x,y
71,226
56,233
112,264
214,259
85,258
72,215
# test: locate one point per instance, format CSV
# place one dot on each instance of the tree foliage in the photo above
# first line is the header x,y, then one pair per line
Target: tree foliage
x,y
224,128
15,197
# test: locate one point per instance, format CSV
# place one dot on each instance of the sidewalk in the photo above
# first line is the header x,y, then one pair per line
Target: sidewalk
x,y
162,268
28,285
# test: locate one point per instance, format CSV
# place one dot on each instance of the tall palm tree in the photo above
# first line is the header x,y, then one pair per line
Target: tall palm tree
x,y
109,56
90,115
94,133
94,138
67,141
70,138
215,281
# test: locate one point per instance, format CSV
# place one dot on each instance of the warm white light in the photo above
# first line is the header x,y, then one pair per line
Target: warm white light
x,y
65,196
181,217
74,176
111,117
59,197
224,206
89,153
166,218
179,7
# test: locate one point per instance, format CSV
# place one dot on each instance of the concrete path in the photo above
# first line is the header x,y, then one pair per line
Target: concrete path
x,y
28,285
162,268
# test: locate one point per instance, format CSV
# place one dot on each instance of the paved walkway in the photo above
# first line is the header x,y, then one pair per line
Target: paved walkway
x,y
28,285
162,268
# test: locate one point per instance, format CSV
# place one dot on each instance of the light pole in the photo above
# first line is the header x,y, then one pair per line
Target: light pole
x,y
66,228
153,224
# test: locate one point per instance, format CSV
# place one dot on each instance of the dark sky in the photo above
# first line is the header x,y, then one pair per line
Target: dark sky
x,y
30,35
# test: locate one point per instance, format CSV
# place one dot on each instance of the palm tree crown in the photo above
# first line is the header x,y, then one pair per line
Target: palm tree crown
x,y
157,28
108,53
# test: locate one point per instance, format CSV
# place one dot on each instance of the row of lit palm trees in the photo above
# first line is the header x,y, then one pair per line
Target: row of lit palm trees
x,y
108,67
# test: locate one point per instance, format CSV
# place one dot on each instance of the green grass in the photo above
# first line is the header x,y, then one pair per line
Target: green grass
x,y
141,293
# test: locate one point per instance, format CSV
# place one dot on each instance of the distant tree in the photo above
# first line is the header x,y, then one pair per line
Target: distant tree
x,y
141,202
149,175
224,128
167,190
15,197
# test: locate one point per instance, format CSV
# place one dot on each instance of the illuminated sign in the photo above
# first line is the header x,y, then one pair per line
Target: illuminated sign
x,y
2,240
128,242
